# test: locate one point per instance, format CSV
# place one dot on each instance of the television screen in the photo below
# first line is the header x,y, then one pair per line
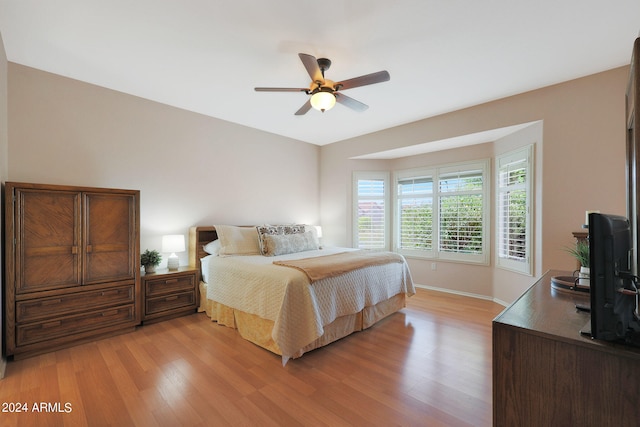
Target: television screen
x,y
613,287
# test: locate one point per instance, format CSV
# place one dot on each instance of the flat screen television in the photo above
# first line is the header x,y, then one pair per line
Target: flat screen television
x,y
614,297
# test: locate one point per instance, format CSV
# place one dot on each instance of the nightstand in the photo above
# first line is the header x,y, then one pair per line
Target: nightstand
x,y
169,293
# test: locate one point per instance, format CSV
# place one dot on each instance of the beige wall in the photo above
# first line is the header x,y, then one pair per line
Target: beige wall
x,y
190,169
580,160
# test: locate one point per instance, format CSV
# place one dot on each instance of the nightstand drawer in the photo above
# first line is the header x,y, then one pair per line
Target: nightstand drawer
x,y
170,302
171,284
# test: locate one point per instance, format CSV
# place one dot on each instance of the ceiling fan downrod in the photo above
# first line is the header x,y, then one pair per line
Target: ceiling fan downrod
x,y
324,65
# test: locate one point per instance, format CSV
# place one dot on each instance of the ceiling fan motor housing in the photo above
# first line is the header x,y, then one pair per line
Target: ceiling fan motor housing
x,y
326,86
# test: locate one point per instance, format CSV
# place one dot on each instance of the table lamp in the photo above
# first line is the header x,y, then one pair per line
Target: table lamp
x,y
319,234
173,243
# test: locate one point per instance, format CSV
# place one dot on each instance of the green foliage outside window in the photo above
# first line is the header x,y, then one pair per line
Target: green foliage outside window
x,y
460,219
461,224
416,225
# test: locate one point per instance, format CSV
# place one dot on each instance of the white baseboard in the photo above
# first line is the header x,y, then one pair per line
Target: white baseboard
x,y
502,303
465,294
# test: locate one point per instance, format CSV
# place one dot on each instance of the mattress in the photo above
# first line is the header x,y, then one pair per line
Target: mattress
x,y
298,310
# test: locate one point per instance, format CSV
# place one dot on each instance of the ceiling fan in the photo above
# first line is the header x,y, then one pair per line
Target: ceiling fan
x,y
324,92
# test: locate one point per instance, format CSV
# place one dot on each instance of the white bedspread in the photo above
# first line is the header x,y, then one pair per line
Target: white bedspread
x,y
300,310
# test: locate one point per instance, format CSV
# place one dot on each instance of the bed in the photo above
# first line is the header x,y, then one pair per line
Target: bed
x,y
291,301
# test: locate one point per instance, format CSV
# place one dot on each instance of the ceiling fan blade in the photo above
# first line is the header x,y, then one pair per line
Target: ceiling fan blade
x,y
311,64
350,102
303,110
280,89
367,79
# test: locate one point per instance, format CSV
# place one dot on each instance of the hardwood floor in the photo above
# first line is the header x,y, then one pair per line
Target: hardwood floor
x,y
429,364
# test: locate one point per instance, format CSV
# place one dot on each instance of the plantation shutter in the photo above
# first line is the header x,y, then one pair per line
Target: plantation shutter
x,y
461,212
513,206
415,212
371,213
513,211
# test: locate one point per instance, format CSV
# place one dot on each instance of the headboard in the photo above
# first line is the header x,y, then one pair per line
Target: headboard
x,y
198,237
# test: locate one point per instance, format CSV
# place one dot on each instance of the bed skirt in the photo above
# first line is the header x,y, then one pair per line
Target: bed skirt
x,y
258,330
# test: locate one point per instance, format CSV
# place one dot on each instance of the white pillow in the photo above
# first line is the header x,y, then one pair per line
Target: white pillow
x,y
204,266
238,240
281,244
213,248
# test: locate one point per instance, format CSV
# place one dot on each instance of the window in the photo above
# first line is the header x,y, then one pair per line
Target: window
x,y
415,214
443,212
370,211
514,192
461,212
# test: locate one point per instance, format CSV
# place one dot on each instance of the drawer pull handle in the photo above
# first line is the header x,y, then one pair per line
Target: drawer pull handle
x,y
171,298
171,281
51,302
50,324
111,292
109,313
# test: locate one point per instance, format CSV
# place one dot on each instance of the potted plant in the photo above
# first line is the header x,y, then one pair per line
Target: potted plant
x,y
150,260
581,253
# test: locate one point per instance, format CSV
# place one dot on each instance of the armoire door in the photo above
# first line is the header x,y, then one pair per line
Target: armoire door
x,y
109,237
47,247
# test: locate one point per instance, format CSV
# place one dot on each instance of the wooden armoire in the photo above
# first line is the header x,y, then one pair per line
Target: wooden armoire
x,y
633,153
72,265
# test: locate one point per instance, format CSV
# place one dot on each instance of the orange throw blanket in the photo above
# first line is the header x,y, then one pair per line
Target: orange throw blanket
x,y
333,265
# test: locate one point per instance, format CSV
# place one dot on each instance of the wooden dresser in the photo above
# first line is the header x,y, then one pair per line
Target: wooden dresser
x,y
545,373
72,265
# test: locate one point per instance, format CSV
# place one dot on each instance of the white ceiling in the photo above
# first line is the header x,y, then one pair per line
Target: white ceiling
x,y
207,56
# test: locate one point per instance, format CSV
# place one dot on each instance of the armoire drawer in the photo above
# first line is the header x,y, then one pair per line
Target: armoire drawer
x,y
69,325
170,302
171,284
30,310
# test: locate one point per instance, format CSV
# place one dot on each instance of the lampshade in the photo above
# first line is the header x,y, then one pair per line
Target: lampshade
x,y
323,100
173,243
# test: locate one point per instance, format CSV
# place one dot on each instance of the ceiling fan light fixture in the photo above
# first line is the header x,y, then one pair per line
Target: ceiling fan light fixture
x,y
323,100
